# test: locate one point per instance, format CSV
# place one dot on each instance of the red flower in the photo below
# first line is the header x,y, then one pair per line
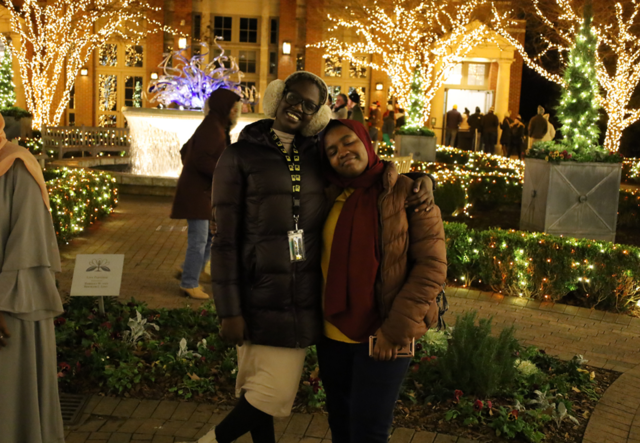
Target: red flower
x,y
87,352
316,388
203,359
478,405
513,415
457,394
212,348
427,358
434,358
415,368
91,317
64,368
106,325
59,321
203,313
489,404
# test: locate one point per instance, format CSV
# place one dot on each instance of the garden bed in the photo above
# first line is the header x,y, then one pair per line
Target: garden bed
x,y
136,352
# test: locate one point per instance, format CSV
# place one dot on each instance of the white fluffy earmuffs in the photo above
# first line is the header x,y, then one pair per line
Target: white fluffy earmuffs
x,y
273,96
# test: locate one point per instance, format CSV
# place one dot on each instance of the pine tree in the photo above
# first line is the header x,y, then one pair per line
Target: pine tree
x,y
137,95
7,88
579,107
416,101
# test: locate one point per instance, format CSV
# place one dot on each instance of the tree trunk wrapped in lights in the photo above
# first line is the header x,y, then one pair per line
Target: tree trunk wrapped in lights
x,y
433,34
617,59
57,39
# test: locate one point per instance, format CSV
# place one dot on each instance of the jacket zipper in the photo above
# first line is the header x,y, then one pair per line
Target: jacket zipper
x,y
293,305
379,295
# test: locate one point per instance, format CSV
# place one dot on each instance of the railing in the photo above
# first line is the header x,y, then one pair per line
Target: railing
x,y
85,139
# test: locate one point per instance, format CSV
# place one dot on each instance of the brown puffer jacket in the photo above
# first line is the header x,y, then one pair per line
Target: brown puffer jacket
x,y
414,261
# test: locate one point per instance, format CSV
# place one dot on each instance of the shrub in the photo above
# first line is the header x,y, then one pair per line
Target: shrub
x,y
79,197
15,112
544,266
476,362
416,131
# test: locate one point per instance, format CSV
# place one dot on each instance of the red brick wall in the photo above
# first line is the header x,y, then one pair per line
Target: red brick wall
x,y
314,25
182,12
288,25
85,96
155,45
493,79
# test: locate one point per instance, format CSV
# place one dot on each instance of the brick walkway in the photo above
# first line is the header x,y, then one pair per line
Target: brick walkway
x,y
154,245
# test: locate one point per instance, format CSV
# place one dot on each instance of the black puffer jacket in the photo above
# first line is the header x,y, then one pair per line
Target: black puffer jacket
x,y
250,268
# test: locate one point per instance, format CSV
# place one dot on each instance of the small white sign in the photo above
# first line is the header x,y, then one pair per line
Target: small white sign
x,y
97,275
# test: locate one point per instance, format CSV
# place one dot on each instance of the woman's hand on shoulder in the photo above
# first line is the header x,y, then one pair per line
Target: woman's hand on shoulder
x,y
422,198
4,332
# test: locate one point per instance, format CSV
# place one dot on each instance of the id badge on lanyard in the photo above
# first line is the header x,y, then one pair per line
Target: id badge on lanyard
x,y
296,237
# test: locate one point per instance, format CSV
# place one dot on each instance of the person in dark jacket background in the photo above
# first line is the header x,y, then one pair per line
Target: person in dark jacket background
x,y
538,127
475,123
505,137
490,125
355,111
389,127
193,194
454,118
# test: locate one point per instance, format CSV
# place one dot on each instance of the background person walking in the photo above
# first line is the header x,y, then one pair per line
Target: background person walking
x,y
490,125
453,123
193,194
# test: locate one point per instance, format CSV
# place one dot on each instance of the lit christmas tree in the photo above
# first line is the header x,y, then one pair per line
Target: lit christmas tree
x,y
137,95
7,88
579,105
416,101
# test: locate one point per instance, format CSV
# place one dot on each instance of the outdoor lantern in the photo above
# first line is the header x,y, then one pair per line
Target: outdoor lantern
x,y
84,72
379,86
154,76
286,48
182,42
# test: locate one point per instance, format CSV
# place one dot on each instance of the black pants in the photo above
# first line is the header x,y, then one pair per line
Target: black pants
x,y
361,392
490,139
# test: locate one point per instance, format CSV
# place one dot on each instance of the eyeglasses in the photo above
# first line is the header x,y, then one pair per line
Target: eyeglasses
x,y
293,98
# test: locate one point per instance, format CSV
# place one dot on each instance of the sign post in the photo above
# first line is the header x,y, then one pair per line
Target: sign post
x,y
97,275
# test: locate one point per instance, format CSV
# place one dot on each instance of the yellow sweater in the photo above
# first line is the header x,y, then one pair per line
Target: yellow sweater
x,y
330,330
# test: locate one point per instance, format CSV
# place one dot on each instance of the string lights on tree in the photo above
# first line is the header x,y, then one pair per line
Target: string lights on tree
x,y
433,34
7,88
57,39
617,59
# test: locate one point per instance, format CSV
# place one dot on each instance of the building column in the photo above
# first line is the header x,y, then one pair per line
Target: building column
x,y
502,89
502,95
264,50
437,111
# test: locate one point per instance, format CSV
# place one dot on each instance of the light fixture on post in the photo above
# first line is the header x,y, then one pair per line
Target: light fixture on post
x,y
182,42
84,72
286,48
379,86
154,76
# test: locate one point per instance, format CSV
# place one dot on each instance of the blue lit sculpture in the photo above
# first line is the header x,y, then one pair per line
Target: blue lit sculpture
x,y
189,82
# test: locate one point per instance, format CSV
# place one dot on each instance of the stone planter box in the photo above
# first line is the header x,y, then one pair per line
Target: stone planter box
x,y
572,199
422,148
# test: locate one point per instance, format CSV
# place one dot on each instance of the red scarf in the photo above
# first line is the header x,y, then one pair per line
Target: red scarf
x,y
350,303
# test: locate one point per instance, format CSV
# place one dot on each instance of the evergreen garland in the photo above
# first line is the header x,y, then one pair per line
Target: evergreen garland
x,y
579,107
7,88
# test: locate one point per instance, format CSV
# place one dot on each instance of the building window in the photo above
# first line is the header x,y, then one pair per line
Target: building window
x,y
476,75
222,27
334,92
72,119
249,97
362,92
249,30
108,55
455,76
357,70
300,62
332,67
273,63
133,92
107,92
273,36
72,97
247,62
197,26
133,56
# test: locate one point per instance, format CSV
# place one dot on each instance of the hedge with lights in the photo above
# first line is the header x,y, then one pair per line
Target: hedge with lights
x,y
78,198
544,267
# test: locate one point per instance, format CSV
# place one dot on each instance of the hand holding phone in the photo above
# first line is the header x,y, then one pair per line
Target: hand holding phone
x,y
382,350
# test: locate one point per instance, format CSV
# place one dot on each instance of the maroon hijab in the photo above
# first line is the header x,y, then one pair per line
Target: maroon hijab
x,y
350,303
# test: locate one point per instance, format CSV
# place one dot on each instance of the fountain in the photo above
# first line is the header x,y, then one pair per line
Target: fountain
x,y
157,135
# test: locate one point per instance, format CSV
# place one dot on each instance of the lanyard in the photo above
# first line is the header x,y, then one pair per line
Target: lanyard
x,y
293,162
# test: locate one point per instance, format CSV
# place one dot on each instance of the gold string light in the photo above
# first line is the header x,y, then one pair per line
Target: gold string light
x,y
57,40
433,34
615,37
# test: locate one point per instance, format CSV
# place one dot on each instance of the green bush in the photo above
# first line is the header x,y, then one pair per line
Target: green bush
x,y
476,362
418,131
79,197
545,267
15,112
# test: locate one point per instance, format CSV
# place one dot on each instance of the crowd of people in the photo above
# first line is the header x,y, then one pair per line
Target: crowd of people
x,y
479,132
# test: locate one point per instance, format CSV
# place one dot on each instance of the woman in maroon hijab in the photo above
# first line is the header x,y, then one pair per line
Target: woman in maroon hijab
x,y
383,268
